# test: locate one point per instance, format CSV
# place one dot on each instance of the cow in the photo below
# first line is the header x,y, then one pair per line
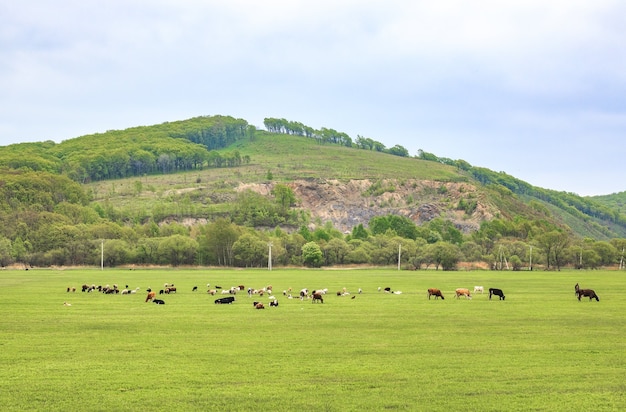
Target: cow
x,y
388,289
159,302
227,300
169,290
151,296
463,292
316,297
274,303
587,293
497,292
211,291
194,289
259,305
436,293
479,289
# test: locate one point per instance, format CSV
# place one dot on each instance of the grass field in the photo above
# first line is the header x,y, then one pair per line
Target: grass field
x,y
540,349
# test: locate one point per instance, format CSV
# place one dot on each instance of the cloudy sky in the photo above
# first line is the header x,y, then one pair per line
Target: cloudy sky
x,y
534,88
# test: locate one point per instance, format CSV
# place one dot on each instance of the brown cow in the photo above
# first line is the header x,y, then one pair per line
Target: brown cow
x,y
463,292
151,295
259,305
316,297
436,293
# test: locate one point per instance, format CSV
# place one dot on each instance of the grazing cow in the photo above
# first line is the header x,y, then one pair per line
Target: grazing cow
x,y
274,303
227,300
436,293
86,288
463,292
161,292
259,305
479,289
497,292
304,293
151,296
71,289
316,297
159,302
587,293
194,289
169,290
211,291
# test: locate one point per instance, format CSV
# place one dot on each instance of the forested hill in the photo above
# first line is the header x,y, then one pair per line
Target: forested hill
x,y
166,148
176,178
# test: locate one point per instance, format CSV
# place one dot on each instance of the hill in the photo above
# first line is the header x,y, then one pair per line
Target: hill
x,y
170,186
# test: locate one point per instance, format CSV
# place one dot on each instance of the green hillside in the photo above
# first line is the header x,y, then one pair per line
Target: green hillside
x,y
153,190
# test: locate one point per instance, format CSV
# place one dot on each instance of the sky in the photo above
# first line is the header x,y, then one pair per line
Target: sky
x,y
532,88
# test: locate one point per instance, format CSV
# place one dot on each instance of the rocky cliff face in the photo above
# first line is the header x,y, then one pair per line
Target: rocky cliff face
x,y
349,203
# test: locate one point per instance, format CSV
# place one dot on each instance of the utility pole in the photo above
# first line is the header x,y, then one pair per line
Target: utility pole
x,y
269,259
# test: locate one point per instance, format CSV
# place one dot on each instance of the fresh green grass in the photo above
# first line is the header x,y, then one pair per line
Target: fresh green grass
x,y
540,349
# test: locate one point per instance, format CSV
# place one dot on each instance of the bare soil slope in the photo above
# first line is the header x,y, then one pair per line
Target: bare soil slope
x,y
349,203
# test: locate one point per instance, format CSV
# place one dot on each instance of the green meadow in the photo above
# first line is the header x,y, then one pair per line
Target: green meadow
x,y
540,349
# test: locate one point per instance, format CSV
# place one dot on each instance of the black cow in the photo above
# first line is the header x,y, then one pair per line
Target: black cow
x,y
194,289
587,293
159,302
497,292
227,300
274,303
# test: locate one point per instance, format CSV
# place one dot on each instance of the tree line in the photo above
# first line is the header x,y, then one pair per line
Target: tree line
x,y
328,135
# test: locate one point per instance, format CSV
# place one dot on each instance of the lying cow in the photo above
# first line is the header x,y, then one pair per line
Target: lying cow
x,y
227,300
159,302
463,292
259,305
436,293
497,292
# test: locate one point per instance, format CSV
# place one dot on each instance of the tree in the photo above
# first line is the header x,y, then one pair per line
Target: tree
x,y
312,255
218,239
250,251
443,254
178,250
553,245
285,197
336,251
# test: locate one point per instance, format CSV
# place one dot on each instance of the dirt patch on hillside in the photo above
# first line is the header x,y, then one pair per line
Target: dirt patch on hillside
x,y
349,203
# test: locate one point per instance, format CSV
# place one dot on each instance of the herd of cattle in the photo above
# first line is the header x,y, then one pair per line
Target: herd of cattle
x,y
466,292
316,296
